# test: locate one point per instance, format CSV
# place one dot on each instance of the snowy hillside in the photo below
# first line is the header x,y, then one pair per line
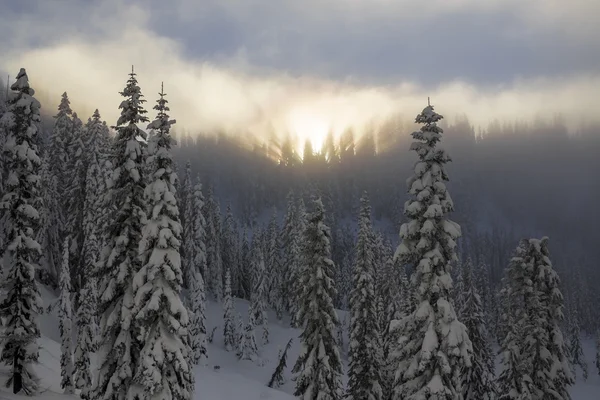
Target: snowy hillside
x,y
233,379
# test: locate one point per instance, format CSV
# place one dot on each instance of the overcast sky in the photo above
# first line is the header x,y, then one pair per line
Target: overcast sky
x,y
312,60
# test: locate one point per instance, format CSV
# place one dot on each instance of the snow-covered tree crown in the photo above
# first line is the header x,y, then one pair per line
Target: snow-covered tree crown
x,y
162,122
428,236
64,108
132,110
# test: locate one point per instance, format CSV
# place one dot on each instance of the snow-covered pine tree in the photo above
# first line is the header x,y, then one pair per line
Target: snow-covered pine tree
x,y
458,290
228,250
433,344
50,219
245,267
65,315
199,231
59,143
161,370
197,250
214,275
319,366
535,356
93,225
274,274
258,297
364,380
229,336
119,260
576,357
21,303
478,381
75,200
277,378
249,349
87,331
514,382
296,291
197,329
188,213
291,251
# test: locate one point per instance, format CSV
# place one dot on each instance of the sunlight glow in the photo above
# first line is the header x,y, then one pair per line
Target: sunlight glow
x,y
308,125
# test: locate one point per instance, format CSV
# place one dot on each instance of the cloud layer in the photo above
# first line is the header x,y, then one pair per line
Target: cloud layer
x,y
250,66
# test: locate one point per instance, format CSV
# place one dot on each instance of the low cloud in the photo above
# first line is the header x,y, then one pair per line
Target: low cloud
x,y
232,94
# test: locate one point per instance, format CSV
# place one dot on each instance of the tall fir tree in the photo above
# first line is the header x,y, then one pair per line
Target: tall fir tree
x,y
478,381
161,370
93,224
576,357
229,336
198,270
119,260
319,366
75,200
433,345
258,297
535,361
228,250
364,379
188,212
214,276
291,252
87,332
21,303
274,275
65,316
59,143
197,329
49,234
249,349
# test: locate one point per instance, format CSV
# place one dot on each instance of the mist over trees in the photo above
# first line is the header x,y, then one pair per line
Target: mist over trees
x,y
301,231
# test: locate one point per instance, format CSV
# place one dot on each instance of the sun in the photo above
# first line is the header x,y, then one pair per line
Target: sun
x,y
310,126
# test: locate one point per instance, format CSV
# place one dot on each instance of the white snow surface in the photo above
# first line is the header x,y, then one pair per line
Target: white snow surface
x,y
234,379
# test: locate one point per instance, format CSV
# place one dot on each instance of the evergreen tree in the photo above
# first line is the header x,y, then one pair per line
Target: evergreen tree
x,y
364,370
161,370
249,349
228,250
535,356
433,344
59,143
277,378
297,290
198,319
93,224
229,338
478,381
213,246
319,367
273,264
459,292
575,351
87,331
50,219
188,212
119,260
74,201
258,298
245,267
291,252
64,324
21,303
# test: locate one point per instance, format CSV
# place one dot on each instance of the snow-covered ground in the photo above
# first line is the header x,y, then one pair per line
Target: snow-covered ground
x,y
233,379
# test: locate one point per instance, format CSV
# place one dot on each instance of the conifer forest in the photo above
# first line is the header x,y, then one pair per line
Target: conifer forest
x,y
176,230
